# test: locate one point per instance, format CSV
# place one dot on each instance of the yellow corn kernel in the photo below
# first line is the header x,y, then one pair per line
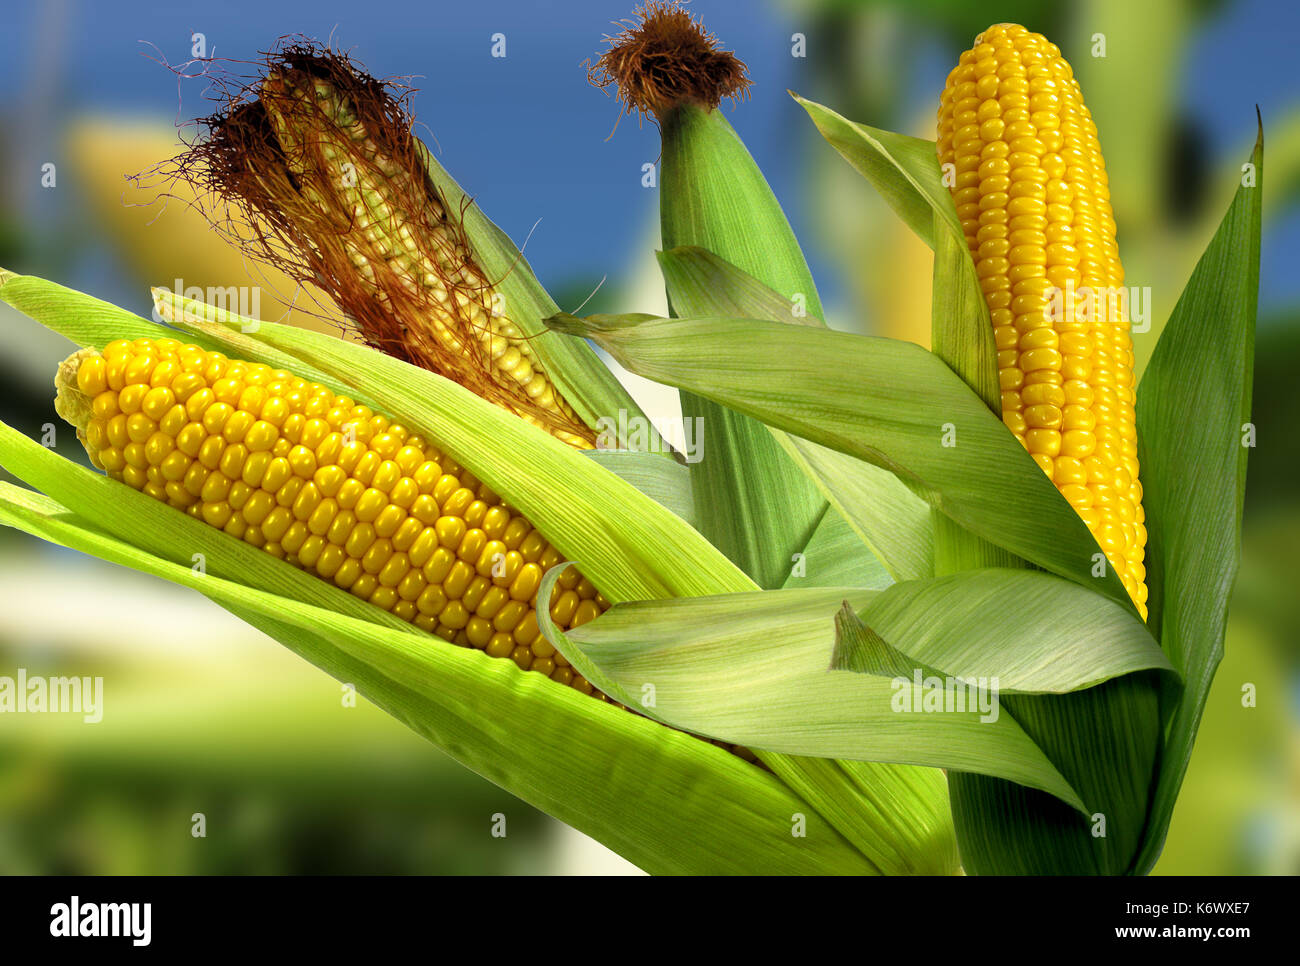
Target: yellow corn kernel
x,y
254,452
1034,203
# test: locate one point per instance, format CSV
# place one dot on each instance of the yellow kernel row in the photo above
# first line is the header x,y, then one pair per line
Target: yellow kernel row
x,y
1031,193
332,487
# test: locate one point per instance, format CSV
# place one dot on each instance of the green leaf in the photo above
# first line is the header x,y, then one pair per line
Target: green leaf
x,y
753,502
888,517
889,403
667,802
961,334
665,481
754,668
705,279
1193,411
1104,740
861,650
1032,632
976,626
891,521
714,196
836,557
905,170
961,331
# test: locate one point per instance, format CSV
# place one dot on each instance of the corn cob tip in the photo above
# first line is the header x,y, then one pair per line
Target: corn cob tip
x,y
71,401
667,57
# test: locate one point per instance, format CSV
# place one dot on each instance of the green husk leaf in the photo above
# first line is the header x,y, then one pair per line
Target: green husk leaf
x,y
886,402
836,557
754,502
961,334
889,518
976,626
715,197
1193,418
861,650
961,328
594,766
581,378
905,170
665,481
754,668
704,277
1104,741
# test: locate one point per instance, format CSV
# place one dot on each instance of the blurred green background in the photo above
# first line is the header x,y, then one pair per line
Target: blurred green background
x,y
204,715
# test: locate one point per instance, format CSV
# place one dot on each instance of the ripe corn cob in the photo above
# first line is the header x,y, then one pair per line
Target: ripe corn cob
x,y
345,186
1032,196
327,485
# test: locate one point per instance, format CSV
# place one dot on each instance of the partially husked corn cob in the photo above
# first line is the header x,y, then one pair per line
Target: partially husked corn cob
x,y
327,485
1032,196
325,156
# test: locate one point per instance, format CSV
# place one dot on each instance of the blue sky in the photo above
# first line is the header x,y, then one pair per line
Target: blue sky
x,y
527,135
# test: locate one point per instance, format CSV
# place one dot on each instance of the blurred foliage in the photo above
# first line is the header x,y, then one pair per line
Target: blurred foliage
x,y
1275,463
288,778
160,225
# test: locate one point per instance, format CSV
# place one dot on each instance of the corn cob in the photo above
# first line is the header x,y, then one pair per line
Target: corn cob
x,y
325,156
327,485
1033,201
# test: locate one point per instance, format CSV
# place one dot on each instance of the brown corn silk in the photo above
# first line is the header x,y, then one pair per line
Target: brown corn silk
x,y
324,155
664,57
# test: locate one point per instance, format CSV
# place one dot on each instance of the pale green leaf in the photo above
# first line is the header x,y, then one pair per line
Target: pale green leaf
x,y
665,481
861,650
905,170
889,403
715,197
755,669
836,557
752,502
1031,631
888,517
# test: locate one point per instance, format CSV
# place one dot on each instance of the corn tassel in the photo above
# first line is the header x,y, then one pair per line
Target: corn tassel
x,y
1031,193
